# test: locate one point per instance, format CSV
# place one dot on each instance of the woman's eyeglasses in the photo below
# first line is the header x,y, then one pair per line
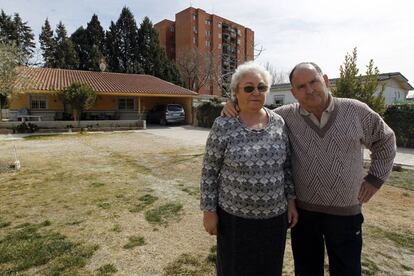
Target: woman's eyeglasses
x,y
260,88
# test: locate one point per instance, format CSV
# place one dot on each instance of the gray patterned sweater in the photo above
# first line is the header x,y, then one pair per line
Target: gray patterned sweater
x,y
327,163
247,172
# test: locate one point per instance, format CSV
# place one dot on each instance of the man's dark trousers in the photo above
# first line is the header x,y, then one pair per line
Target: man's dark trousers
x,y
342,236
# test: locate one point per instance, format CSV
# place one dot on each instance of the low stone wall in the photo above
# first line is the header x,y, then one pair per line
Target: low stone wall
x,y
82,124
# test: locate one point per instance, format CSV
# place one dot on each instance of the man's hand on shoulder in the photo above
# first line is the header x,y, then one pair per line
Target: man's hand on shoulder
x,y
230,109
366,192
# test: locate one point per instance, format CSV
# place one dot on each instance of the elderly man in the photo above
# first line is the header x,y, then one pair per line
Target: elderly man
x,y
327,135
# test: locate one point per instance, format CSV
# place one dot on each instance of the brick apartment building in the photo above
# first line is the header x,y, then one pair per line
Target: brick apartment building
x,y
228,43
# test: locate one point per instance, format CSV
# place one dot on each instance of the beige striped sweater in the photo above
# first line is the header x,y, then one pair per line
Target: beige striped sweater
x,y
327,163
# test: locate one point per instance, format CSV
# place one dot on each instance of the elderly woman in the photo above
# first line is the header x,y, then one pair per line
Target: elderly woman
x,y
247,194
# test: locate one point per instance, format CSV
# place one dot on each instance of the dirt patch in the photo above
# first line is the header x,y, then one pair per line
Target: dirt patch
x,y
98,189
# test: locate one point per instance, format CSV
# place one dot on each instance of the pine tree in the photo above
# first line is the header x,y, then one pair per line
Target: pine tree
x,y
47,44
171,72
152,56
23,36
15,31
6,27
363,88
80,43
122,43
65,55
96,42
149,47
111,51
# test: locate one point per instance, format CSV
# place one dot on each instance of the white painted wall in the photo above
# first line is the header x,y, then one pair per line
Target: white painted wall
x,y
392,92
286,95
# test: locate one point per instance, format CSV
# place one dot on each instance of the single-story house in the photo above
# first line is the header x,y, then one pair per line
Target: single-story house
x,y
396,88
119,96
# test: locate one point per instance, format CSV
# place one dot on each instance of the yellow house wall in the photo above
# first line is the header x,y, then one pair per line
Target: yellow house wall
x,y
21,101
108,103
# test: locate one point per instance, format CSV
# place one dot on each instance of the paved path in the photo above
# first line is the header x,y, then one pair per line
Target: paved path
x,y
198,136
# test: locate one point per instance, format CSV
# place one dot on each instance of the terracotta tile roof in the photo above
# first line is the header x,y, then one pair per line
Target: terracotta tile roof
x,y
50,79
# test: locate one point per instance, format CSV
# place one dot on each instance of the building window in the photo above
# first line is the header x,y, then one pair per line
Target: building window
x,y
219,45
279,100
238,32
38,101
208,33
208,21
219,24
194,17
238,41
194,40
219,35
126,104
172,29
208,43
195,29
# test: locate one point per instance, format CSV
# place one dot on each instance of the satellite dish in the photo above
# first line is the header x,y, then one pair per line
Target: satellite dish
x,y
102,66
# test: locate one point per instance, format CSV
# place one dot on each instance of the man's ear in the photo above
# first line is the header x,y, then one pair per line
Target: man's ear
x,y
326,79
293,92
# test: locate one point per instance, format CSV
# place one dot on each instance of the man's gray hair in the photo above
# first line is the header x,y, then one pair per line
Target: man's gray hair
x,y
248,67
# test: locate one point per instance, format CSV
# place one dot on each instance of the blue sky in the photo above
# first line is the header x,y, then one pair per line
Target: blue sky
x,y
289,31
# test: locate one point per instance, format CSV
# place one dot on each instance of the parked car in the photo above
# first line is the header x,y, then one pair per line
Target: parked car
x,y
166,113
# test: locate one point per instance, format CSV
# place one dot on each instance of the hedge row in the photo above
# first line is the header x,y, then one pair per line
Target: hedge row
x,y
401,119
207,112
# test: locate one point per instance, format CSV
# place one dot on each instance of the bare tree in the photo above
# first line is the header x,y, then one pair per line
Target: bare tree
x,y
196,68
257,49
278,76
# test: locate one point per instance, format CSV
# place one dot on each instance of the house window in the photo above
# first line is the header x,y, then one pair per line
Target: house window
x,y
126,104
279,100
38,101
